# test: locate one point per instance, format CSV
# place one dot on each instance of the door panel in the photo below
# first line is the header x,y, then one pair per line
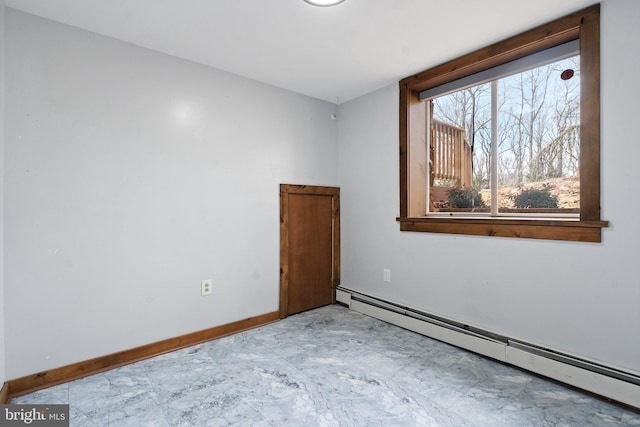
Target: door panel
x,y
309,251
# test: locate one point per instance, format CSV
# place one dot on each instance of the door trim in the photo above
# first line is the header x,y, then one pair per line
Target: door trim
x,y
285,190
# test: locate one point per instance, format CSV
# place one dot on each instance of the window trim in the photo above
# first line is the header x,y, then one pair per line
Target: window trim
x,y
583,25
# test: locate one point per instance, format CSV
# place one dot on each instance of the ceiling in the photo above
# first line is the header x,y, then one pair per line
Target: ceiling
x,y
331,53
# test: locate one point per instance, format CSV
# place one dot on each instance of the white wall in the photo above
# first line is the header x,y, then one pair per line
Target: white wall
x,y
132,175
576,297
2,341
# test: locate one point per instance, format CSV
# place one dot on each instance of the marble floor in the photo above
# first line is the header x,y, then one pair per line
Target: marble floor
x,y
326,367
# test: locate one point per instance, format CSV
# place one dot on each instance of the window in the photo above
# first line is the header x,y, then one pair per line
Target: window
x,y
505,141
532,165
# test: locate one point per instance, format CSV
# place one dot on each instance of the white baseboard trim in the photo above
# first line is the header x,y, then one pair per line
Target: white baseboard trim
x,y
621,390
478,345
343,297
603,385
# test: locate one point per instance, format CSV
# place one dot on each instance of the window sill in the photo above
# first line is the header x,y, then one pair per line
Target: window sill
x,y
551,229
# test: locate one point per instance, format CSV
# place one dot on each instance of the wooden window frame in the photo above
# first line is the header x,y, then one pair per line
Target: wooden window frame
x,y
583,25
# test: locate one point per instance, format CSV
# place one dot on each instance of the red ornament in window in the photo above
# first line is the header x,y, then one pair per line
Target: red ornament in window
x,y
566,74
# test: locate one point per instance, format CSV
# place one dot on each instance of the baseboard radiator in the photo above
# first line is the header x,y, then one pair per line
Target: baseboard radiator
x,y
610,382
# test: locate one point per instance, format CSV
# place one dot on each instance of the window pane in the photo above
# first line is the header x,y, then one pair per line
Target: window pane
x,y
538,137
538,143
460,143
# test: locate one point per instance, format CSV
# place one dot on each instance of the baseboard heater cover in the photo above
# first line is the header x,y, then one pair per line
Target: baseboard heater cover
x,y
612,383
343,297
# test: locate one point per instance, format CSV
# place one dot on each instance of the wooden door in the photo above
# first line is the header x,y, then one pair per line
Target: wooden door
x,y
309,247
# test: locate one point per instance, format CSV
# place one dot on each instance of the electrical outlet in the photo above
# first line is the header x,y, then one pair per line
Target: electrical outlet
x,y
205,287
386,275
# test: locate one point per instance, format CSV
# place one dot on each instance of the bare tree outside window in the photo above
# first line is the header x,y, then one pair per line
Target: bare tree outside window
x,y
538,137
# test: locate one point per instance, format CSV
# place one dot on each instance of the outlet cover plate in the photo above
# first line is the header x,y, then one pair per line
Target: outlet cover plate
x,y
205,287
386,275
